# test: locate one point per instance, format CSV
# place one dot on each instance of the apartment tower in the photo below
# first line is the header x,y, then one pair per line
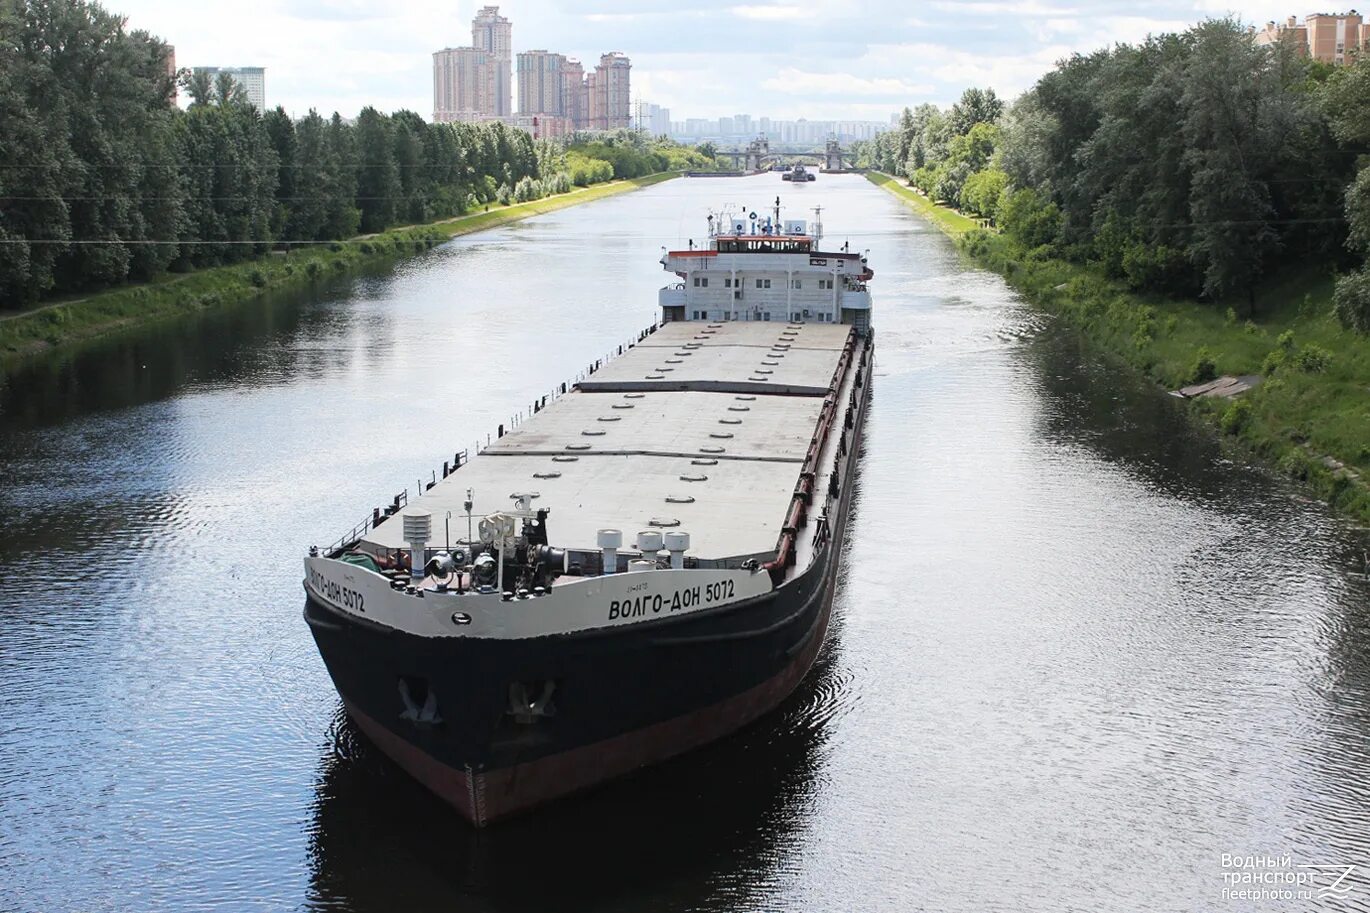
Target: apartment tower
x,y
1329,37
608,90
540,83
493,33
575,100
463,85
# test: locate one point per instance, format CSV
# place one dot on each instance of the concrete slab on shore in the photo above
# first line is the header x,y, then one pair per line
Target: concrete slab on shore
x,y
1226,386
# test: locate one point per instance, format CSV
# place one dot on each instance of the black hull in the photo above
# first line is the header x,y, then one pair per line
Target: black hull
x,y
619,699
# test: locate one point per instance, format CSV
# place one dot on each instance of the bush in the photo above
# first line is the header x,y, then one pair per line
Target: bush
x,y
1159,268
1273,362
981,192
366,248
1313,359
1029,217
1236,417
1351,301
504,195
312,269
528,189
257,278
1204,368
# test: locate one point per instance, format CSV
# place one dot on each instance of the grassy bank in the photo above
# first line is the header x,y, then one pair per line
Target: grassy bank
x,y
1308,417
950,221
49,327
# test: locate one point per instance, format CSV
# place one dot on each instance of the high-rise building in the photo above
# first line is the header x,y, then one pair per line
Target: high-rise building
x,y
463,85
493,33
1328,37
252,80
610,107
575,98
541,75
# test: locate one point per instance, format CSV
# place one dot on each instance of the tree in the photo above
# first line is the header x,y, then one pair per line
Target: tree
x,y
977,106
980,194
1237,117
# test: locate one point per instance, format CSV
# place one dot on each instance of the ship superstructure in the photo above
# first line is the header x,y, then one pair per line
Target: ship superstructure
x,y
766,269
672,520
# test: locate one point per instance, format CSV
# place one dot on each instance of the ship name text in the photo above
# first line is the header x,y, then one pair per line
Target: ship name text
x,y
687,598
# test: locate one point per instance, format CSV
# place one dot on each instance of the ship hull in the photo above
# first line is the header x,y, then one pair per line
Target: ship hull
x,y
621,700
497,726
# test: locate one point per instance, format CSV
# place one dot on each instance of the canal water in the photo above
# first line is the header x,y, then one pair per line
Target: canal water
x,y
1082,658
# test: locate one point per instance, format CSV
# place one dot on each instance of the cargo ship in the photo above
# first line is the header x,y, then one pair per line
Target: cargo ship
x,y
643,565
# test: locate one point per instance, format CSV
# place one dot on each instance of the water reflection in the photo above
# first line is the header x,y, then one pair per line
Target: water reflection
x,y
708,830
272,338
1073,629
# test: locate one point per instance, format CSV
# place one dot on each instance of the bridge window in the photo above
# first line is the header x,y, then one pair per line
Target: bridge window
x,y
763,283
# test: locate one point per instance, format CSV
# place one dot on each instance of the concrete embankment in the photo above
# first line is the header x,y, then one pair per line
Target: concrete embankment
x,y
53,327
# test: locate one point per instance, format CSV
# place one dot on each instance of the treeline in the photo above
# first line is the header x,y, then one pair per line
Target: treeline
x,y
1193,165
103,179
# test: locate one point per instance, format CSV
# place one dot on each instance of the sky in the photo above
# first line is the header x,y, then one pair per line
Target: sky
x,y
820,59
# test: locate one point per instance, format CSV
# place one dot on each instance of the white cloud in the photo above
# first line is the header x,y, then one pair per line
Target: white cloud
x,y
711,58
774,12
792,81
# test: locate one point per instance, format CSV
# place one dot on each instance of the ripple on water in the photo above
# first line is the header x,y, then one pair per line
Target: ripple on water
x,y
1069,630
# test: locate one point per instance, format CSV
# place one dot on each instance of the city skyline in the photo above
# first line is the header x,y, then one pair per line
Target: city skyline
x,y
821,60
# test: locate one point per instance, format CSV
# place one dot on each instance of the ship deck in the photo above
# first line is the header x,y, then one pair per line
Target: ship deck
x,y
683,429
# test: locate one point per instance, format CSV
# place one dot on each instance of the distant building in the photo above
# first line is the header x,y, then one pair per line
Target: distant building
x,y
575,97
476,83
1329,37
608,88
252,80
463,85
541,75
650,118
555,96
542,126
493,33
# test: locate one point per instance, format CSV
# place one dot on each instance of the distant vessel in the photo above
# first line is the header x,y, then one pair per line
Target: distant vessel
x,y
799,174
542,650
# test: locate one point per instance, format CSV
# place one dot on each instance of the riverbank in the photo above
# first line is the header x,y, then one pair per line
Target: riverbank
x,y
53,326
1307,417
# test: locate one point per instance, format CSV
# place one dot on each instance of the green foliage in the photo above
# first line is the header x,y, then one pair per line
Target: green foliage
x,y
130,187
585,171
1236,417
1312,359
1029,217
1204,368
1351,301
981,192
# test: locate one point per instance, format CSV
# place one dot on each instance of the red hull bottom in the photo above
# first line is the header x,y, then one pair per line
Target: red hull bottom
x,y
488,796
